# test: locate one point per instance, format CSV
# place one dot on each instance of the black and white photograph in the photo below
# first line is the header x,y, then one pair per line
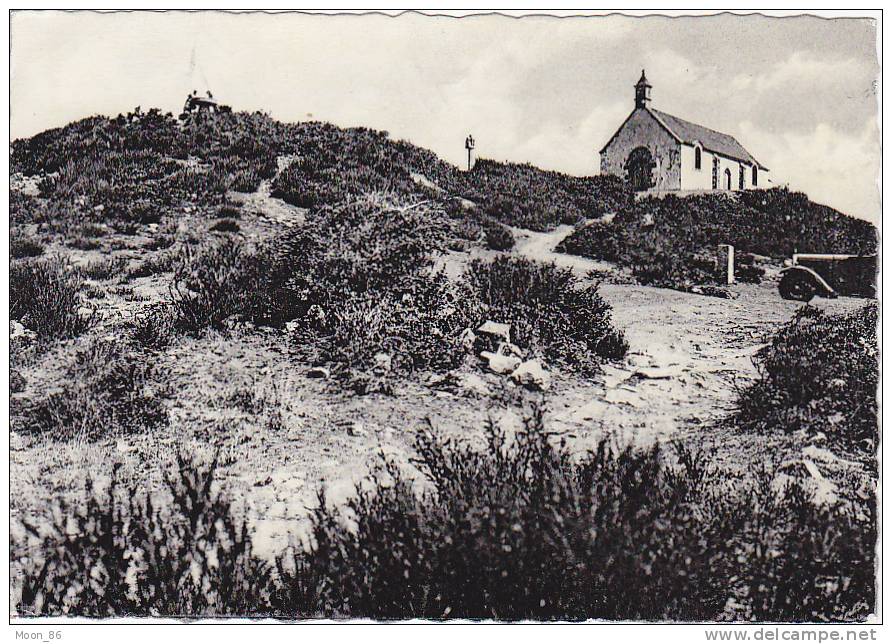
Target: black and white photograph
x,y
445,317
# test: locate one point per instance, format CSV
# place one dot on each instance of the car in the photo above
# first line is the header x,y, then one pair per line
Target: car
x,y
811,274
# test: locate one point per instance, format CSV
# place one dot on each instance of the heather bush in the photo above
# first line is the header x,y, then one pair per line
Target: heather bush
x,y
518,528
525,196
498,237
213,282
108,390
358,278
672,241
226,226
45,295
154,328
370,244
417,326
548,311
126,552
23,246
229,211
103,269
820,373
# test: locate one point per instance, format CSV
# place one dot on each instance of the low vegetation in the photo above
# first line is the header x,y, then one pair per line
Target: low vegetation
x,y
525,196
819,374
518,530
672,241
549,311
45,296
108,391
213,282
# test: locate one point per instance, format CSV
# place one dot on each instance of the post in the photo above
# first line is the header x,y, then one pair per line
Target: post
x,y
725,262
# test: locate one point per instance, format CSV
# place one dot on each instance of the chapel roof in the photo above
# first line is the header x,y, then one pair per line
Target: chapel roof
x,y
710,140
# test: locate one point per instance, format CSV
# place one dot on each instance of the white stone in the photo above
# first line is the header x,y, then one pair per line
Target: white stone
x,y
530,374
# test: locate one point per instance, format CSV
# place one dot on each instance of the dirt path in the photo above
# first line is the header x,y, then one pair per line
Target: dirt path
x,y
688,353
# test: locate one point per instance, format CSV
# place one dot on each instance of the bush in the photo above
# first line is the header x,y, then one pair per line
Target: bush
x,y
107,391
212,283
45,295
525,196
22,246
155,327
672,241
520,529
498,237
229,211
226,226
418,326
103,269
819,374
125,553
548,311
366,245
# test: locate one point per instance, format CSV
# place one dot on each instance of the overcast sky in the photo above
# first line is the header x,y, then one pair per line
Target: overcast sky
x,y
798,93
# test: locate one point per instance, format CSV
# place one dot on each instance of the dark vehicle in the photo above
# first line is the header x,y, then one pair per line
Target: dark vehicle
x,y
808,275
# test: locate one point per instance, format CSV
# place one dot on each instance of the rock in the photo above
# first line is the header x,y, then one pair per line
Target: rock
x,y
470,384
383,361
509,349
500,364
496,329
319,372
714,291
20,336
356,429
531,375
490,334
460,384
123,446
804,472
467,339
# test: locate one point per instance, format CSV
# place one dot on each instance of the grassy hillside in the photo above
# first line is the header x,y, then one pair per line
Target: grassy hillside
x,y
138,164
672,241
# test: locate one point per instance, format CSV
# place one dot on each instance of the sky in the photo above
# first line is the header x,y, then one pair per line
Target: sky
x,y
798,92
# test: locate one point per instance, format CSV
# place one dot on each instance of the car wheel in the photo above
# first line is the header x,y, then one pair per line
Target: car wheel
x,y
797,286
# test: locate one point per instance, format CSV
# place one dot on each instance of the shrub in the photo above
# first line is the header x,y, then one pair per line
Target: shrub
x,y
155,327
108,390
226,226
212,283
820,373
521,530
46,296
229,211
418,326
126,553
525,196
671,241
103,269
498,237
548,311
22,246
155,264
369,244
518,529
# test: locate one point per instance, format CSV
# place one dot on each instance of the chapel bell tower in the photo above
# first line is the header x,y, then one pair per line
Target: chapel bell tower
x,y
642,91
